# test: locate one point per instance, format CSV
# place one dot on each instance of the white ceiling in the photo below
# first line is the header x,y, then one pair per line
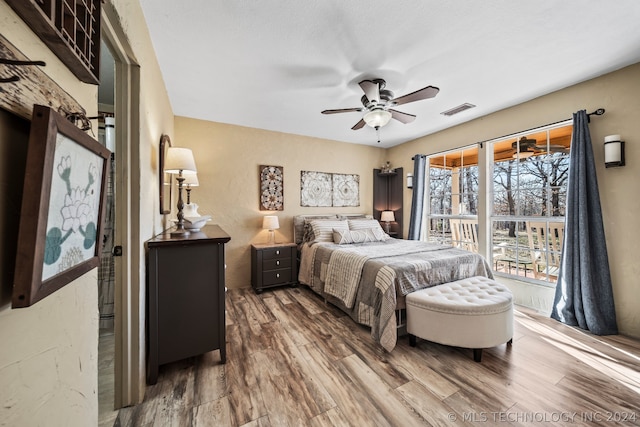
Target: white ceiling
x,y
276,64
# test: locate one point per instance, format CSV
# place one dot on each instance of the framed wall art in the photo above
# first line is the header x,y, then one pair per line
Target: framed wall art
x,y
329,189
345,189
315,188
62,207
271,188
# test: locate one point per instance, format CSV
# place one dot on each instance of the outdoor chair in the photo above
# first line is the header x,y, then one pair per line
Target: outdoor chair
x,y
545,244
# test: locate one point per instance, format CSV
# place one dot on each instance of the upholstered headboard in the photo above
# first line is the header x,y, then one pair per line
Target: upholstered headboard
x,y
299,222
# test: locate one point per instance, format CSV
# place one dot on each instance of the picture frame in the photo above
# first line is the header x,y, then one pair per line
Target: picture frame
x,y
271,188
329,189
165,180
63,205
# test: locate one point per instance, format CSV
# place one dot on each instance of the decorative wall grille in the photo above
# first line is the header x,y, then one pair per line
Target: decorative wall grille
x,y
70,28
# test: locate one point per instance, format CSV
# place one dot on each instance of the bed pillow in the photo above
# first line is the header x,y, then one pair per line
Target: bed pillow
x,y
345,237
302,231
323,229
354,216
360,224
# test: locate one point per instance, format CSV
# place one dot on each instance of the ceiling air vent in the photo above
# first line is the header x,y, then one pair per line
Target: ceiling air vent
x,y
460,108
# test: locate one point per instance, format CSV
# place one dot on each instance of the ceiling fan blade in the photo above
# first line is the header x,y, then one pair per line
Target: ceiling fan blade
x,y
358,125
424,93
402,117
371,90
342,110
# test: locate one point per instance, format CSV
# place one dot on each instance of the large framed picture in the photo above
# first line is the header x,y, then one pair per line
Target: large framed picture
x,y
62,207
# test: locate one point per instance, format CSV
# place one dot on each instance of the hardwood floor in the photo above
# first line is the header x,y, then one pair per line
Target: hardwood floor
x,y
292,360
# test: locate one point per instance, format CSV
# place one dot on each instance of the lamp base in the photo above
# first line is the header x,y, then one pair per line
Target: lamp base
x,y
180,231
272,237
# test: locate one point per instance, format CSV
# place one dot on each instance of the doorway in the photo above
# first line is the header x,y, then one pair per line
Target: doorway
x,y
128,353
107,411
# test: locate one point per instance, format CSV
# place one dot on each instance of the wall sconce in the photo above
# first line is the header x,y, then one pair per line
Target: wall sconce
x,y
409,180
270,222
613,151
387,217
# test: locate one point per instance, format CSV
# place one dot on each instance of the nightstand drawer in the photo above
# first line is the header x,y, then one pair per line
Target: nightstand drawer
x,y
276,253
276,277
273,264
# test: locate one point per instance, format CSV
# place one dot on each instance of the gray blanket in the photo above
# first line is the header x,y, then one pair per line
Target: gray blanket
x,y
366,280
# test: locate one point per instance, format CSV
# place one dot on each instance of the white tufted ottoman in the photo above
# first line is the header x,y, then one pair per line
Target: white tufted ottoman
x,y
472,313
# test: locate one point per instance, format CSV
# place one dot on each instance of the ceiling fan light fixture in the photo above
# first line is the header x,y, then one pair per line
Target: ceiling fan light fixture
x,y
377,118
523,154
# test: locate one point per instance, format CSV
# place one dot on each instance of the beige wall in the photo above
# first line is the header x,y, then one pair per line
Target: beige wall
x,y
48,362
619,94
49,351
228,158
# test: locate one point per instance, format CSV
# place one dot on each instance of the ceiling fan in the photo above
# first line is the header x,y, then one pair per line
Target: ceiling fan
x,y
528,147
378,103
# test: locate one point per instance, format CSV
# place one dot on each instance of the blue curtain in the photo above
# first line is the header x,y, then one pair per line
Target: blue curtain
x,y
584,296
417,200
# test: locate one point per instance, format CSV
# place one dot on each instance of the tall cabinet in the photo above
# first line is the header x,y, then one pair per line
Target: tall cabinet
x,y
387,196
185,297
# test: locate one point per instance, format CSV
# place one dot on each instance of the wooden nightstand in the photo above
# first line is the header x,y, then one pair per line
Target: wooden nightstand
x,y
273,265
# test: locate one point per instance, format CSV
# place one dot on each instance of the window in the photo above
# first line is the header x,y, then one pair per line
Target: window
x,y
453,196
528,200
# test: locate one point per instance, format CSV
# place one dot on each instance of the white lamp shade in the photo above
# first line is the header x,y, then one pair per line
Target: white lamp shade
x,y
270,222
387,216
180,160
613,151
377,118
191,180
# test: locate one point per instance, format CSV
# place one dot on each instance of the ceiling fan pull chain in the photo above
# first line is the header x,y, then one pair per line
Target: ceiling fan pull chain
x,y
378,133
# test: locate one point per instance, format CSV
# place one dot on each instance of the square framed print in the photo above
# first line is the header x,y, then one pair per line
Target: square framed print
x,y
345,189
315,188
62,207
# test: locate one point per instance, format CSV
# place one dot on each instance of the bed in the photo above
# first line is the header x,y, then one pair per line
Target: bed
x,y
352,263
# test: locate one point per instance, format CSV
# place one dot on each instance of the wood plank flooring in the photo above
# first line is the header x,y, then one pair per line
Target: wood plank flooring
x,y
293,360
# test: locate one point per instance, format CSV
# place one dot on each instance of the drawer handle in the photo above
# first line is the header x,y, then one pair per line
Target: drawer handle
x,y
278,275
277,252
277,262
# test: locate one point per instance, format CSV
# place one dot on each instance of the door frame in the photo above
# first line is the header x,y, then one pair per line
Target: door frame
x,y
129,318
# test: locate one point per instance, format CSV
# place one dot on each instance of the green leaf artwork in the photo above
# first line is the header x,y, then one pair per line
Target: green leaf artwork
x,y
72,228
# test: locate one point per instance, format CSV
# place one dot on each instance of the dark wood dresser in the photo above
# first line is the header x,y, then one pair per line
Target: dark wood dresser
x,y
273,265
185,297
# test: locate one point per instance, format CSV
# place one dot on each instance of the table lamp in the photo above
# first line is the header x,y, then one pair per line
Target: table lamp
x,y
387,217
270,222
180,162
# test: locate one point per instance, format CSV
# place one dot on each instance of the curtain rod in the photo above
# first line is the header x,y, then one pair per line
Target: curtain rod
x,y
597,112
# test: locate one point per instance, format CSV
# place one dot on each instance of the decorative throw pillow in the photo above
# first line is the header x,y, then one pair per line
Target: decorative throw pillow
x,y
345,237
304,226
360,224
323,229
